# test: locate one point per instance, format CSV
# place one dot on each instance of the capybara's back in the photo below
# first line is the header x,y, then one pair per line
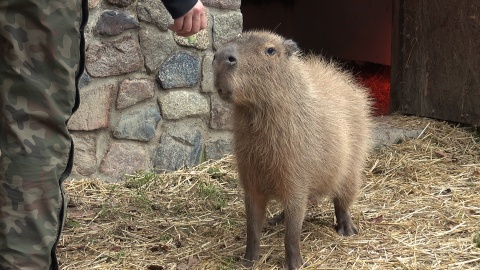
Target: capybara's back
x,y
301,130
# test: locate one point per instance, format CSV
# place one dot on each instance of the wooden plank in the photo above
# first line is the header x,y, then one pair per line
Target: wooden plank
x,y
436,70
396,69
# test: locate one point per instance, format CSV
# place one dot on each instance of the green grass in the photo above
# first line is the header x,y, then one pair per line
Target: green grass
x,y
476,239
203,155
142,179
72,223
109,211
143,202
165,237
476,131
229,263
215,173
212,194
140,183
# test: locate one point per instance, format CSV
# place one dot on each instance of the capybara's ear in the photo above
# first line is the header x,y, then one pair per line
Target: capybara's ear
x,y
291,47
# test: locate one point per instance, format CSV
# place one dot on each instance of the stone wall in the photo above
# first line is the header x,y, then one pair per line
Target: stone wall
x,y
147,96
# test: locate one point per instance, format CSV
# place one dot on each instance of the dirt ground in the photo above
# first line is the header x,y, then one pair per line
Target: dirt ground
x,y
419,209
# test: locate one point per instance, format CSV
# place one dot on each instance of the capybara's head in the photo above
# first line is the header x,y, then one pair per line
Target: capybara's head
x,y
247,68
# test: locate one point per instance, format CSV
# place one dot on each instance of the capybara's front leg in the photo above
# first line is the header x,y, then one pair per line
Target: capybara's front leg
x,y
255,205
294,215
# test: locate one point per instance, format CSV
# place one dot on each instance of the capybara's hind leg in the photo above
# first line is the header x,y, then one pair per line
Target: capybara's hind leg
x,y
277,219
342,202
344,225
255,205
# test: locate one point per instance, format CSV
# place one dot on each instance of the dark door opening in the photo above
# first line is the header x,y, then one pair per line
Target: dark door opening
x,y
357,33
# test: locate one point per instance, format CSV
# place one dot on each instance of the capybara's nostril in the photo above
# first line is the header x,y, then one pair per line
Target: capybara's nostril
x,y
227,55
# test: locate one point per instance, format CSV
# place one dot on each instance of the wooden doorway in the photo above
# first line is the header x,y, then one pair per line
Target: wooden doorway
x,y
436,59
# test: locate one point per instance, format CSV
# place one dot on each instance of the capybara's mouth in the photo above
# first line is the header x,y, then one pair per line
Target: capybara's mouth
x,y
225,94
223,90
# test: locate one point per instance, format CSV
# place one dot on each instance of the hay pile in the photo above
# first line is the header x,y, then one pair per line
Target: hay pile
x,y
419,209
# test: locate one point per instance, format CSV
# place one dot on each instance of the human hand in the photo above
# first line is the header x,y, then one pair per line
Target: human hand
x,y
190,23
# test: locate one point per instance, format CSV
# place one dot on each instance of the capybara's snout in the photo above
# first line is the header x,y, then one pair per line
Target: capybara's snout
x,y
225,57
224,62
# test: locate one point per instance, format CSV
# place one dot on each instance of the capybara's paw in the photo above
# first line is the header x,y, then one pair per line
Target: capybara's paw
x,y
246,263
346,229
277,219
345,225
294,264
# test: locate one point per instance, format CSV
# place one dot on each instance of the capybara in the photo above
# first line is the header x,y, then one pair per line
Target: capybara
x,y
301,130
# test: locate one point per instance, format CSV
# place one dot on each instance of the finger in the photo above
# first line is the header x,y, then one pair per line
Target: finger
x,y
187,25
177,24
203,19
196,23
199,22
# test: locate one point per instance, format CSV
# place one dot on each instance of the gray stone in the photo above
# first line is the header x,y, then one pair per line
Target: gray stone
x,y
133,91
179,104
226,27
85,159
138,125
226,4
156,46
180,146
84,80
112,23
94,110
179,70
221,114
124,158
114,58
217,148
200,40
385,134
93,4
207,74
120,3
153,11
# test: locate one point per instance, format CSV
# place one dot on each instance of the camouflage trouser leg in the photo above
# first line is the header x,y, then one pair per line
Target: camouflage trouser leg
x,y
40,56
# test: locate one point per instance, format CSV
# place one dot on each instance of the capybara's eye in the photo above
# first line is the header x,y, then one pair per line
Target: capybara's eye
x,y
271,51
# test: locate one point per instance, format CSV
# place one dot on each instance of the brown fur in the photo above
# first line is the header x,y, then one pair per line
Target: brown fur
x,y
301,130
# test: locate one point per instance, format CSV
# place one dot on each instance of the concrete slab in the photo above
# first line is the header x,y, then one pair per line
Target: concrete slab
x,y
386,132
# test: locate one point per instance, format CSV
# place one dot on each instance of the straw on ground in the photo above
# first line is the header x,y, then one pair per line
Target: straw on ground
x,y
419,209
